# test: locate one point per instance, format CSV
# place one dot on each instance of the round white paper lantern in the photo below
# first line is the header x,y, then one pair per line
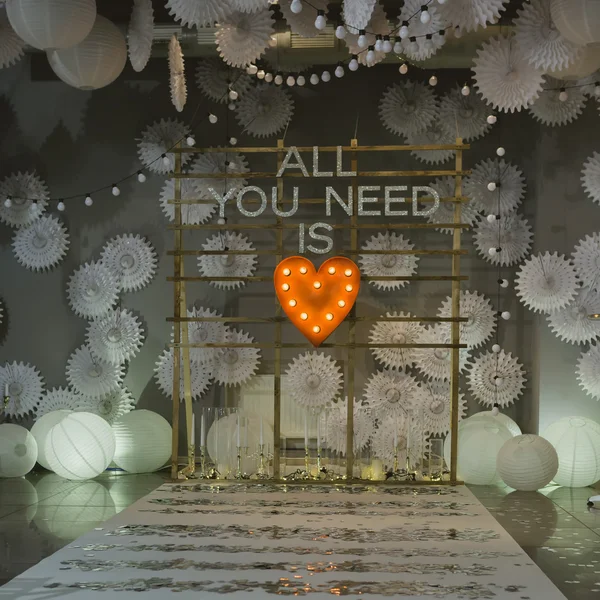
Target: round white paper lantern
x,y
50,24
587,63
577,443
40,431
143,441
95,62
80,446
500,418
18,450
577,20
478,445
527,462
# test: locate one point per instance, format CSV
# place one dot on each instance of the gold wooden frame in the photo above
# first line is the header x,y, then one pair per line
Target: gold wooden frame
x,y
181,343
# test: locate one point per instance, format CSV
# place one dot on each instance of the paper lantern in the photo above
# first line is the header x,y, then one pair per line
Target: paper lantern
x,y
143,441
80,446
18,451
51,24
95,62
527,462
500,418
587,63
40,430
577,20
577,443
479,443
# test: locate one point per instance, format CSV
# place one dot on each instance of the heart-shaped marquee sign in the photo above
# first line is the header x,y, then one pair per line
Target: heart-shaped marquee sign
x,y
317,302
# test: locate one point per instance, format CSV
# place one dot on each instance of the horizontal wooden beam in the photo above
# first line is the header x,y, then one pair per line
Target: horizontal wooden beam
x,y
294,175
256,202
304,345
270,252
274,149
363,278
286,320
383,226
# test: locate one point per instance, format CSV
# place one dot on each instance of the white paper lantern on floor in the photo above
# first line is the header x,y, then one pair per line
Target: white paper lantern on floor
x,y
500,418
40,430
80,446
143,441
50,24
18,450
577,20
577,443
95,62
527,462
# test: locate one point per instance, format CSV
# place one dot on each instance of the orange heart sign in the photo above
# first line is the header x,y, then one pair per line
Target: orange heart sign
x,y
316,302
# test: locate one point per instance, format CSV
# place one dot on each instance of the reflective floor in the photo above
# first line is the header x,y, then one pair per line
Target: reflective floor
x,y
42,513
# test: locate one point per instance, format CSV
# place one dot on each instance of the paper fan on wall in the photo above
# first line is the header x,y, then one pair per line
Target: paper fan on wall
x,y
89,376
357,13
92,290
314,379
481,317
496,379
191,214
213,163
572,323
140,34
201,13
303,23
378,25
546,282
586,258
157,139
215,79
57,399
41,245
115,338
395,332
445,186
408,108
390,431
509,188
588,371
391,393
464,116
436,407
249,6
264,110
388,265
201,376
22,189
12,47
227,265
503,76
435,363
177,74
25,388
334,426
242,37
590,177
424,39
235,366
132,261
434,134
469,15
511,233
109,407
549,109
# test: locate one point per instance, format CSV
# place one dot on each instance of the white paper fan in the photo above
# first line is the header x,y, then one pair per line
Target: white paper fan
x,y
436,407
177,74
395,438
422,47
109,407
496,379
157,139
41,245
249,6
115,338
235,366
469,15
444,186
590,177
572,323
89,376
357,13
549,109
22,189
227,265
334,426
58,399
199,13
303,23
434,134
586,258
92,290
12,47
511,233
407,108
395,332
388,265
213,163
481,317
264,110
509,190
140,34
314,379
131,259
191,214
215,79
588,371
242,37
546,282
390,393
540,41
503,76
25,388
378,25
464,116
201,375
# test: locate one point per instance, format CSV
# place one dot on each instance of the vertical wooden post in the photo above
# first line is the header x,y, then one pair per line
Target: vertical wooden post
x,y
187,380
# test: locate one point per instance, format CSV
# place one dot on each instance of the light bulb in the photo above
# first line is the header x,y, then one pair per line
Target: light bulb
x,y
397,47
378,43
353,64
371,55
362,39
88,200
425,16
500,151
465,90
493,251
339,71
496,348
190,141
278,79
348,272
441,1
231,106
403,31
504,283
316,329
304,316
428,44
495,410
491,218
457,32
287,272
292,303
433,80
563,96
213,118
303,270
221,221
317,285
252,70
285,287
329,316
491,119
341,303
233,95
597,90
314,79
403,69
498,380
505,315
268,77
491,186
233,141
296,6
413,47
348,288
291,81
60,206
261,74
326,76
331,270
320,21
387,44
8,202
115,191
166,160
301,80
340,32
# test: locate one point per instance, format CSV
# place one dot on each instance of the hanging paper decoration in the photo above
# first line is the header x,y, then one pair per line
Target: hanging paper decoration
x,y
249,6
436,407
41,245
131,259
115,338
573,324
215,79
303,23
92,377
177,74
191,214
388,265
495,187
28,196
140,34
424,39
587,63
588,371
377,25
226,163
444,215
92,290
12,47
577,20
496,378
357,13
390,393
503,76
235,366
394,439
199,13
511,233
469,15
590,177
334,426
264,110
547,282
586,258
201,376
25,388
314,380
110,407
156,141
552,108
463,116
434,134
408,108
395,332
57,399
242,37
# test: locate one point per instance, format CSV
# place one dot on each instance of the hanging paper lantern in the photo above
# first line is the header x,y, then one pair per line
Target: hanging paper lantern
x,y
587,63
95,62
40,430
18,451
577,20
52,24
499,418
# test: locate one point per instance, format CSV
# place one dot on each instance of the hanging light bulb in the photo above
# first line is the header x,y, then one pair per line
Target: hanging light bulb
x,y
166,160
491,186
291,81
60,206
441,1
457,32
498,381
190,141
403,69
326,76
433,81
260,73
505,315
115,190
496,348
233,141
353,64
278,79
397,47
491,218
503,283
563,96
491,119
371,55
465,90
88,200
231,106
233,95
340,32
496,409
320,21
141,177
314,79
403,31
597,90
212,118
500,151
301,80
268,77
339,70
252,70
428,43
413,46
493,251
387,44
296,6
378,43
425,16
362,39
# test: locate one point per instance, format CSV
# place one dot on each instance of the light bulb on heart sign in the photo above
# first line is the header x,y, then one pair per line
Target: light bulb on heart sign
x,y
317,302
